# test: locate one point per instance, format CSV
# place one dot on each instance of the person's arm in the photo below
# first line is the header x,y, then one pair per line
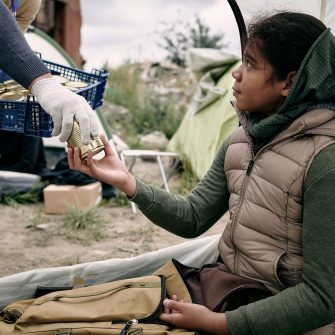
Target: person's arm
x,y
310,304
22,64
25,13
16,57
185,216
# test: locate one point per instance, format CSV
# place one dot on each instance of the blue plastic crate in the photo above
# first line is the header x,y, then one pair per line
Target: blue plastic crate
x,y
28,117
25,117
97,79
12,115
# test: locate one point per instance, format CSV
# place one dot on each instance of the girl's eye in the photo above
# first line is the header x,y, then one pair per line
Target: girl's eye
x,y
247,64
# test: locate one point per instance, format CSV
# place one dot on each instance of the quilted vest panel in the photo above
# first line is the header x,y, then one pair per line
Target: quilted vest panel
x,y
263,239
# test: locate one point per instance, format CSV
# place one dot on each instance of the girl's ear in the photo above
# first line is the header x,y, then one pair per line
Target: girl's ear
x,y
288,82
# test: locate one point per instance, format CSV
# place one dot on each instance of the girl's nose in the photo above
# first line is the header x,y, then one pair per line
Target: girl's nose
x,y
237,75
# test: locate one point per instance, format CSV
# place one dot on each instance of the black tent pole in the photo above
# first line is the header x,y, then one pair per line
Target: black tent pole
x,y
240,23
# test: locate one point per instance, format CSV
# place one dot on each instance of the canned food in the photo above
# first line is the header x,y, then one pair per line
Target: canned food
x,y
62,80
72,89
9,82
14,87
15,96
96,144
76,84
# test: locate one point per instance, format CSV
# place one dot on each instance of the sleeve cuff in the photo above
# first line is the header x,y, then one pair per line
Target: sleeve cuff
x,y
144,195
238,323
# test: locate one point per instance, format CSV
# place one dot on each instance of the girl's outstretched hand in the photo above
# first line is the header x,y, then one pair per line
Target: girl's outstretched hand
x,y
193,317
109,169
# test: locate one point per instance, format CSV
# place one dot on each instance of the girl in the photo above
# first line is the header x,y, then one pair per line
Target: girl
x,y
275,174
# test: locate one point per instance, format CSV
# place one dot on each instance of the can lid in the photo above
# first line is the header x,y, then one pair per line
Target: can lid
x,y
14,87
62,80
16,96
9,82
76,84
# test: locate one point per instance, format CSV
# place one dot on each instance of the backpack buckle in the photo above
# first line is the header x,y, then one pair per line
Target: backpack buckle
x,y
63,332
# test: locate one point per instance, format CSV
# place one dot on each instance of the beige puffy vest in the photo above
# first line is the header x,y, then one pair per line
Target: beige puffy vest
x,y
263,238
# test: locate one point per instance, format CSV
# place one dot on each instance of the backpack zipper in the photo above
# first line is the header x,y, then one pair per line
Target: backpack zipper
x,y
10,315
63,332
127,326
123,286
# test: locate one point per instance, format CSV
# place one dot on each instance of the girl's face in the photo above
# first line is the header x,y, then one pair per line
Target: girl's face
x,y
255,88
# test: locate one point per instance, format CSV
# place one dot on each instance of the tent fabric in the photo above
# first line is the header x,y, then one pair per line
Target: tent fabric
x,y
23,285
322,9
210,118
14,182
50,50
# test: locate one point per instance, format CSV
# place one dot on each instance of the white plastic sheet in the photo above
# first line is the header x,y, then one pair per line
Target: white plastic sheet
x,y
23,285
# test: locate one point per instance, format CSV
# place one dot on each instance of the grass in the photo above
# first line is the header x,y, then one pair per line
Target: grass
x,y
120,200
150,110
36,220
83,224
187,180
31,196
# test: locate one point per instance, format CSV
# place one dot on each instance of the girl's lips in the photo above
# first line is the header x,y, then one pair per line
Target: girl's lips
x,y
235,92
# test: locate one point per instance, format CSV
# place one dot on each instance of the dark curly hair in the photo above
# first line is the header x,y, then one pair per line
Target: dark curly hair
x,y
284,39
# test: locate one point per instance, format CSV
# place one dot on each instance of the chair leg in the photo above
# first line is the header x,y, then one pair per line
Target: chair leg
x,y
161,168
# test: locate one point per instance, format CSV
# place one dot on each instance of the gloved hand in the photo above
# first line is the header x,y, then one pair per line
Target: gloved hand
x,y
63,105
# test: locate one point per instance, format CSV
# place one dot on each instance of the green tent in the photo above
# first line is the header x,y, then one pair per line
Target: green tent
x,y
210,117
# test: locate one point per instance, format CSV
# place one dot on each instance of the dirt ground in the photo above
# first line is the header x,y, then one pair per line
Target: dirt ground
x,y
31,239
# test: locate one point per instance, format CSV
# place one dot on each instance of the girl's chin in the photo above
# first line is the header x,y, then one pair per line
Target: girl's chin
x,y
240,106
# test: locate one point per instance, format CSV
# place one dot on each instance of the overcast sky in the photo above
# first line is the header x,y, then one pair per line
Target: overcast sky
x,y
117,30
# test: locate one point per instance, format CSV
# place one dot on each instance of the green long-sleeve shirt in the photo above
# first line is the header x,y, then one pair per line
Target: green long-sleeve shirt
x,y
306,306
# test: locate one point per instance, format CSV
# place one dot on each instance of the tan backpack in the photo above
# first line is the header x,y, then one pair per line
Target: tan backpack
x,y
128,306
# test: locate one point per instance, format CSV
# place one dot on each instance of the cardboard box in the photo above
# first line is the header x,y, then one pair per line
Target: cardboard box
x,y
58,198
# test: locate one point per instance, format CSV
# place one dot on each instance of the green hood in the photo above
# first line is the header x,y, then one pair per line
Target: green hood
x,y
314,84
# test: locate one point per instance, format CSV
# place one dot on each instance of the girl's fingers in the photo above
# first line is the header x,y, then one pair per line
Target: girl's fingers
x,y
108,149
165,308
70,157
174,306
90,162
76,158
174,298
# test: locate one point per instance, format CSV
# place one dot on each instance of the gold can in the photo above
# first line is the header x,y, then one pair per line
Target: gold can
x,y
76,84
62,80
15,96
10,82
2,88
72,89
96,144
14,87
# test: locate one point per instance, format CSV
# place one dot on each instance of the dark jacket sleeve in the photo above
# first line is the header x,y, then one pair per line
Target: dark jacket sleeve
x,y
16,57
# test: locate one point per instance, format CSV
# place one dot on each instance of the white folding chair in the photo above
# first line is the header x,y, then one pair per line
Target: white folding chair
x,y
129,157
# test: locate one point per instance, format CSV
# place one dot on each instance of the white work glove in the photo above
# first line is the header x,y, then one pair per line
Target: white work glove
x,y
64,105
